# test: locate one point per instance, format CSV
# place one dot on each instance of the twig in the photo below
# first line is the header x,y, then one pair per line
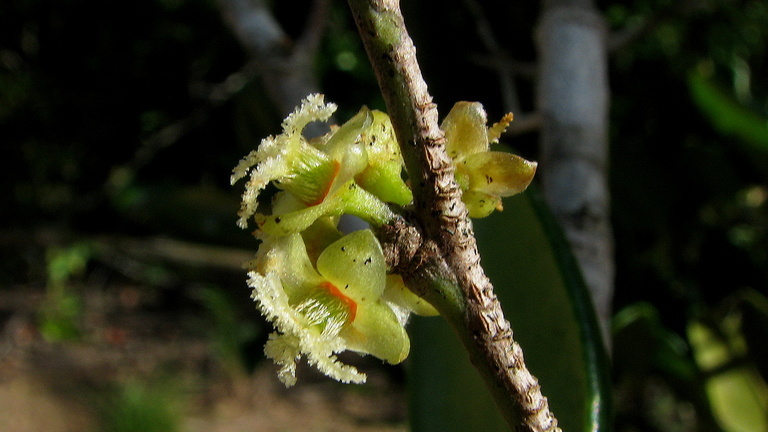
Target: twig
x,y
309,41
164,249
285,65
438,256
523,69
211,97
632,33
524,123
506,69
507,84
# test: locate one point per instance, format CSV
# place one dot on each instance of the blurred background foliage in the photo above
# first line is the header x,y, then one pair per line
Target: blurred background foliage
x,y
112,135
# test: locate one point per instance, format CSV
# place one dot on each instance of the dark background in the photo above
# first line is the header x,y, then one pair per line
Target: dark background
x,y
109,134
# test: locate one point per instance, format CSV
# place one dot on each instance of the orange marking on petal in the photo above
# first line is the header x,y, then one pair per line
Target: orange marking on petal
x,y
336,168
351,304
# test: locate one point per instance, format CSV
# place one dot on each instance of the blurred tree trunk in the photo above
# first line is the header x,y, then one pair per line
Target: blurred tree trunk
x,y
285,65
572,97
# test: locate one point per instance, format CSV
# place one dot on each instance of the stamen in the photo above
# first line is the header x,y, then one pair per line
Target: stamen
x,y
321,198
328,309
351,304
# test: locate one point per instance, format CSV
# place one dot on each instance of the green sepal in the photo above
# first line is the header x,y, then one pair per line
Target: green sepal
x,y
398,294
385,182
383,176
355,265
368,151
348,199
320,234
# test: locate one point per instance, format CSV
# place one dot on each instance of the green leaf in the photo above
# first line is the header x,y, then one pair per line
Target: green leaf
x,y
737,393
544,297
136,406
754,325
727,115
642,345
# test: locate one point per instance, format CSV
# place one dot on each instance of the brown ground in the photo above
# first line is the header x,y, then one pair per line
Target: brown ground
x,y
61,387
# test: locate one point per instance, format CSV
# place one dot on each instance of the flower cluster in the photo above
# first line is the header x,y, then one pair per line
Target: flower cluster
x,y
331,175
326,291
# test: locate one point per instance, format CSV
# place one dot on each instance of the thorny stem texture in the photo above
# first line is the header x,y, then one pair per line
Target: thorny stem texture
x,y
445,268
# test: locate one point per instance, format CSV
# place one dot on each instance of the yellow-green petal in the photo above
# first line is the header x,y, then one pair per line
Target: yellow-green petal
x,y
376,331
310,176
497,173
353,161
287,258
399,295
345,145
348,133
465,130
480,204
355,265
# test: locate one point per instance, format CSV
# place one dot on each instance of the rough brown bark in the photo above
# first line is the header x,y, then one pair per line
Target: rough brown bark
x,y
447,255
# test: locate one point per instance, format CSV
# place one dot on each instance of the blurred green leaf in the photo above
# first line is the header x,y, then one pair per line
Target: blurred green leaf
x,y
655,366
230,334
64,263
754,325
642,344
727,115
737,394
60,313
543,295
137,406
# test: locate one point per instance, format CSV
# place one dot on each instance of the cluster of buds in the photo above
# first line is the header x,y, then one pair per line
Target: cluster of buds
x,y
326,291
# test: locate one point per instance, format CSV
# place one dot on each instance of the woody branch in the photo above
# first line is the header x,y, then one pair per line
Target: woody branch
x,y
445,266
